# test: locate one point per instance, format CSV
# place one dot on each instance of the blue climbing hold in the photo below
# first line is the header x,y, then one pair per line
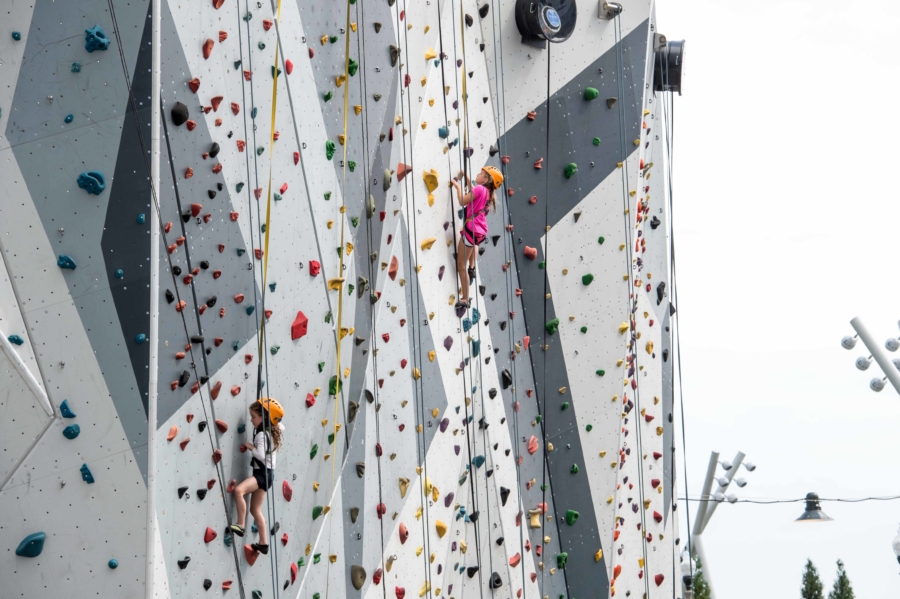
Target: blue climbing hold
x,y
65,410
71,431
444,132
141,218
76,67
32,545
113,564
86,475
16,35
140,338
272,285
95,39
16,339
476,315
227,539
64,261
242,428
250,310
92,182
120,274
69,118
236,345
478,461
476,347
467,324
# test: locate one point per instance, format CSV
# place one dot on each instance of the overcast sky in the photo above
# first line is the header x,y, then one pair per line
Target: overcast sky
x,y
786,221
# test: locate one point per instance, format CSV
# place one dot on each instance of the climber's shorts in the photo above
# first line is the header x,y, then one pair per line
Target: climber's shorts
x,y
260,475
471,240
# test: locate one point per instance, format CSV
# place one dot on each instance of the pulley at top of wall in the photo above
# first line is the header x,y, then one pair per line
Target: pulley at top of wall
x,y
540,21
668,64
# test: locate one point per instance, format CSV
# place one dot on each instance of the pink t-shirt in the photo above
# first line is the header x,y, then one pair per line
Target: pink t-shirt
x,y
476,207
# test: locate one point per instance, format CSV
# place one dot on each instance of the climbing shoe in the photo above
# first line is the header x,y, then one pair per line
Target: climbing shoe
x,y
264,549
461,305
471,271
237,529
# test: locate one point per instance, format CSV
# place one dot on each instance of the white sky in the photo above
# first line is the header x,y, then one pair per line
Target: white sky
x,y
786,219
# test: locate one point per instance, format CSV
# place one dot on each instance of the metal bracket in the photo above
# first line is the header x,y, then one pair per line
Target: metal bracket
x,y
659,42
609,10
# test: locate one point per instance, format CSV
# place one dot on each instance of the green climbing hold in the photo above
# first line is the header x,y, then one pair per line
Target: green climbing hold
x,y
301,562
314,451
552,326
316,558
565,405
321,366
589,427
239,187
350,288
331,438
591,93
334,385
327,196
571,517
596,141
574,469
277,196
584,329
261,45
250,310
354,220
571,169
273,72
542,264
253,113
601,239
329,95
587,279
333,39
257,594
241,251
561,560
32,545
328,317
262,228
329,149
351,165
317,511
538,419
248,16
352,67
544,487
601,372
274,349
260,150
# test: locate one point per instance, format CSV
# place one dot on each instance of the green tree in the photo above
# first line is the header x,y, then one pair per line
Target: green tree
x,y
842,588
812,585
701,589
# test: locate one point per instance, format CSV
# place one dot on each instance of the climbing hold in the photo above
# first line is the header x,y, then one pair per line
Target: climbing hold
x,y
95,39
357,576
610,102
32,545
71,431
571,517
426,244
16,339
571,169
329,148
591,93
596,141
601,239
299,326
113,564
552,326
86,475
530,252
250,555
561,560
16,36
140,338
209,535
441,528
587,279
402,171
92,182
496,581
65,410
404,533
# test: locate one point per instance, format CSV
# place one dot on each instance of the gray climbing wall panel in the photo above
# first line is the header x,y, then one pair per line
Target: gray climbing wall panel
x,y
521,447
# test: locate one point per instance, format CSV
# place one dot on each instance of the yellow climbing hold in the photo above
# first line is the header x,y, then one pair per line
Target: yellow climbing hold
x,y
323,39
404,486
315,486
425,588
316,391
610,499
353,27
463,546
602,454
332,558
419,551
416,374
342,138
431,179
339,81
534,518
623,328
424,124
335,283
428,485
435,412
424,81
649,347
329,224
426,245
430,54
357,109
427,28
431,356
419,513
441,528
349,248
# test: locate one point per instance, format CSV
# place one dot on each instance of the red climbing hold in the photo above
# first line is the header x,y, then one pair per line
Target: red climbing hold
x,y
207,47
217,456
235,108
658,579
190,418
657,455
194,84
217,4
288,66
654,482
234,216
238,298
376,577
258,252
209,535
299,326
380,510
214,393
293,570
392,271
403,363
191,125
386,337
248,358
314,267
210,483
407,80
530,115
648,417
530,252
173,432
504,159
526,341
248,75
223,35
267,24
235,390
283,189
196,209
402,170
286,490
226,585
404,533
222,426
310,400
250,554
311,52
284,539
217,273
400,592
658,517
215,102
532,200
217,168
296,158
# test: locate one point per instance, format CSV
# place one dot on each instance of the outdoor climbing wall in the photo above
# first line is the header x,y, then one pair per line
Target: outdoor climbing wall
x,y
521,446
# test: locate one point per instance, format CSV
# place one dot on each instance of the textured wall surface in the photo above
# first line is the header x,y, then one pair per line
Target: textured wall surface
x,y
520,448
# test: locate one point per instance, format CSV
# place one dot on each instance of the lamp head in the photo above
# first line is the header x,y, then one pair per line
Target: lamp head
x,y
813,511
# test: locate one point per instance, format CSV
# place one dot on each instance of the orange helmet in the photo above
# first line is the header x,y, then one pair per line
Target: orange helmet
x,y
271,405
496,176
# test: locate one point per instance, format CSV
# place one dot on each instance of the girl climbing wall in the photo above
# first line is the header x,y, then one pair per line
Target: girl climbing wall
x,y
266,442
475,229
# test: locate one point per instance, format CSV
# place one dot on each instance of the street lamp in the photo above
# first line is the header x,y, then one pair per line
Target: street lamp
x,y
687,572
896,545
813,511
890,369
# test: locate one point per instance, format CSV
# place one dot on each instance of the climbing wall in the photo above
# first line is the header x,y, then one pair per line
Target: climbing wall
x,y
520,447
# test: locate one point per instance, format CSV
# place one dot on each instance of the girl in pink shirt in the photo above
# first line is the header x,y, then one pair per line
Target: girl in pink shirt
x,y
475,228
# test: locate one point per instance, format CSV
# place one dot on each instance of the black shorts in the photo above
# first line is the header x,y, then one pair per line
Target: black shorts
x,y
260,475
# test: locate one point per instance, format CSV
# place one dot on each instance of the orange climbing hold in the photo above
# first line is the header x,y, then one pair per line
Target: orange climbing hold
x,y
404,533
392,271
223,35
184,443
207,47
217,456
402,170
217,4
235,108
250,554
194,84
514,560
235,390
222,426
267,24
530,252
238,298
532,445
288,66
173,432
214,392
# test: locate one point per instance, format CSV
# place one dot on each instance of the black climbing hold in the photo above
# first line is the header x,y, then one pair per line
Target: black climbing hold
x,y
472,571
214,150
493,296
360,469
469,21
186,217
665,355
481,47
202,425
482,290
220,186
495,239
184,378
182,491
196,338
377,27
354,514
577,215
176,270
211,301
496,581
503,328
179,114
473,516
492,393
201,494
170,297
359,341
654,222
499,541
660,292
203,379
483,11
207,584
506,379
395,54
182,563
204,264
211,193
493,150
504,495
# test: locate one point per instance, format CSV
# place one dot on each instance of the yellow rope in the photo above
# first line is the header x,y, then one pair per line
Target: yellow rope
x,y
262,328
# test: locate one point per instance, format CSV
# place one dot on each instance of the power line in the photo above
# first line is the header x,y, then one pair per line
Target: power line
x,y
802,499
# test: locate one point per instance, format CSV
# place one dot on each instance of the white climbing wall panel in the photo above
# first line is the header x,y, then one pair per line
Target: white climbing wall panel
x,y
519,447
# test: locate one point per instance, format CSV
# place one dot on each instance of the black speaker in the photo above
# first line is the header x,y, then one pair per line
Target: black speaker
x,y
668,67
542,21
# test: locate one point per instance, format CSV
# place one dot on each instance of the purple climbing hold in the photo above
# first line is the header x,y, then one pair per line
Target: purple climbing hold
x,y
456,449
448,499
444,424
441,273
448,342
